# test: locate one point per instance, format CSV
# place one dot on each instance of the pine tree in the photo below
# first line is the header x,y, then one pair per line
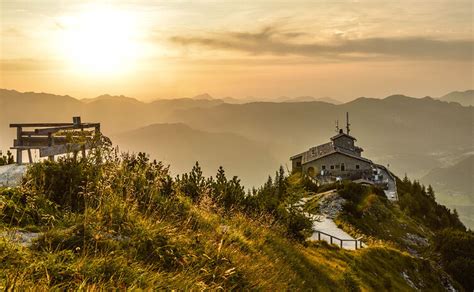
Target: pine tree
x,y
430,192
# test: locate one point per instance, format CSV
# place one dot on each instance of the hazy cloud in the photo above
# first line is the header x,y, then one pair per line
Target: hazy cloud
x,y
270,41
21,65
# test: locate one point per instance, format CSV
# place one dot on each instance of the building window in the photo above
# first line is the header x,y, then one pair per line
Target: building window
x,y
337,166
332,166
343,167
298,164
357,166
323,167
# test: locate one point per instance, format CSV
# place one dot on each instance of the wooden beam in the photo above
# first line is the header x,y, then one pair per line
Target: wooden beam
x,y
61,149
30,125
47,131
38,141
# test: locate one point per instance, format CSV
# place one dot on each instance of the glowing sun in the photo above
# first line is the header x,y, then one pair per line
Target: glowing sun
x,y
101,41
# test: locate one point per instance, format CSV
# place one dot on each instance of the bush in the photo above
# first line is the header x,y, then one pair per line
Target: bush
x,y
21,208
298,226
6,159
419,202
457,255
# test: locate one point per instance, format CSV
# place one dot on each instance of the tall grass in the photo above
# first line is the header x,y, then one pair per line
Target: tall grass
x,y
117,221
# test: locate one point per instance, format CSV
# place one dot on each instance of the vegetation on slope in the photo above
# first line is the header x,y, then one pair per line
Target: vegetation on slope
x,y
126,223
417,224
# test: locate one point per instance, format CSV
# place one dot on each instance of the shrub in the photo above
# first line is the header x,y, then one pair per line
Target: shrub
x,y
457,255
6,159
21,208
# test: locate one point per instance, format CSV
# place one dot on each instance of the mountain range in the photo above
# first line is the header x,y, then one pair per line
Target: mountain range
x,y
410,135
465,98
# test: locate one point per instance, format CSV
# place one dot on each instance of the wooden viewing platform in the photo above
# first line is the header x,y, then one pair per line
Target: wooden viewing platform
x,y
54,138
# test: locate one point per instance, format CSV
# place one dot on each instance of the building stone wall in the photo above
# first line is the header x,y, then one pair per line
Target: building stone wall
x,y
344,142
296,164
337,164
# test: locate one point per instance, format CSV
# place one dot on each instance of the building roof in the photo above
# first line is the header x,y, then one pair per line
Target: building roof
x,y
324,150
330,148
340,151
341,135
296,156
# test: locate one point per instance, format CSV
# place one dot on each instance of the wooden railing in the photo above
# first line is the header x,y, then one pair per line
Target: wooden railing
x,y
357,242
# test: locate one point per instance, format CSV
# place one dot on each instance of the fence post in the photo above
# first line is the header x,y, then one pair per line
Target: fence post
x,y
19,152
319,236
330,237
50,143
341,242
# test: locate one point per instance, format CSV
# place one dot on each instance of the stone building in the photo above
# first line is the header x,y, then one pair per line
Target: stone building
x,y
342,159
338,158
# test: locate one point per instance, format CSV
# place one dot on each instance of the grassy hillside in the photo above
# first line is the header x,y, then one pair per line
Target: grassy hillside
x,y
127,223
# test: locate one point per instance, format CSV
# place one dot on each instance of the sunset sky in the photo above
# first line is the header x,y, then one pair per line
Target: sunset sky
x,y
166,49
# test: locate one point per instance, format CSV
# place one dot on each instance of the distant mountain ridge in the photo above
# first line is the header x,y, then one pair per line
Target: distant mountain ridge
x,y
454,187
413,135
465,98
107,97
181,146
455,180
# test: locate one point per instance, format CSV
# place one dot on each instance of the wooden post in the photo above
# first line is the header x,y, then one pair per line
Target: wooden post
x,y
83,148
19,152
319,236
50,143
330,238
76,121
356,243
341,242
30,157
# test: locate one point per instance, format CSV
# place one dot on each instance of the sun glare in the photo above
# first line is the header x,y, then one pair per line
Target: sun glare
x,y
101,41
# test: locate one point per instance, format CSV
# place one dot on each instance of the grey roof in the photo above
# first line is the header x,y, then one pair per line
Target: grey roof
x,y
343,134
340,151
324,150
329,148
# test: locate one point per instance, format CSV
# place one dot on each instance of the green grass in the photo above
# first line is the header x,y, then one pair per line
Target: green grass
x,y
124,226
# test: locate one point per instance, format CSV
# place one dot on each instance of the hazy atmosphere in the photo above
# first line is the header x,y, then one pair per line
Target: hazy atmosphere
x,y
265,49
237,145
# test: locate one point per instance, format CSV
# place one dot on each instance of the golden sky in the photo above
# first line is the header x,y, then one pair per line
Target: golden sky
x,y
166,49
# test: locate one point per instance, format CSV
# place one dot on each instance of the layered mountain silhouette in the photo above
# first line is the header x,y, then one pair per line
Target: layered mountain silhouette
x,y
465,98
411,135
455,187
181,146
